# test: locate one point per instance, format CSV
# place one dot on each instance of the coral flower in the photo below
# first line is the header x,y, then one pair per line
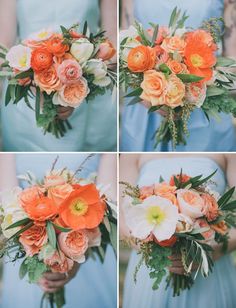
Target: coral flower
x,y
199,59
167,243
33,239
59,263
106,51
184,178
48,80
83,209
41,59
141,59
56,46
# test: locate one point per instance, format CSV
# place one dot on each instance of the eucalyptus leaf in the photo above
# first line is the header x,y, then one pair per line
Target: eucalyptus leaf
x,y
51,234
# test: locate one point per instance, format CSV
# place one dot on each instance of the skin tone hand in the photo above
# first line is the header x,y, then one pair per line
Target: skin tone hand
x,y
52,282
64,112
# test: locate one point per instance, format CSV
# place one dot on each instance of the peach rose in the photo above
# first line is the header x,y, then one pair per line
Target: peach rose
x,y
175,92
74,244
72,95
162,55
190,203
211,209
220,227
53,180
141,59
208,235
154,87
176,67
33,239
69,71
59,263
166,191
174,44
146,191
29,195
196,93
106,51
48,80
59,193
94,237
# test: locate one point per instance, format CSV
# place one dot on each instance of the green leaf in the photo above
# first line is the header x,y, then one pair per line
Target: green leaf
x,y
136,92
134,101
189,78
173,17
37,104
226,197
23,75
200,182
61,228
59,297
225,62
113,236
51,234
8,95
214,91
229,207
29,225
23,269
19,223
2,55
85,28
155,33
164,68
153,109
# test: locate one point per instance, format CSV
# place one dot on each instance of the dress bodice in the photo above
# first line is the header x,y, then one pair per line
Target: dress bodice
x,y
192,166
34,15
157,11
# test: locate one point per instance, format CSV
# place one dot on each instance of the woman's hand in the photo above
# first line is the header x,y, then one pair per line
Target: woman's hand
x,y
177,265
52,282
64,112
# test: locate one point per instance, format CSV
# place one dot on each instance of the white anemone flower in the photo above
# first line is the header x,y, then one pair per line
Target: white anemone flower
x,y
155,215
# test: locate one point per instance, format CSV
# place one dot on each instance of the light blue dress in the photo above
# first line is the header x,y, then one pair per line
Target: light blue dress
x,y
216,291
95,283
138,127
94,124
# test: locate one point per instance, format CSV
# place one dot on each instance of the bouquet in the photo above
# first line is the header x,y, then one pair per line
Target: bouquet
x,y
184,217
55,222
175,70
58,69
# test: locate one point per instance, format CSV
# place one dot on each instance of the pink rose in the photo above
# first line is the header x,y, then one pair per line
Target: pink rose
x,y
190,203
209,234
94,237
69,71
59,263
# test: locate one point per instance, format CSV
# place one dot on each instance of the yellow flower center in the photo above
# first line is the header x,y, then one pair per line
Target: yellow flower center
x,y
155,215
196,60
173,91
79,207
43,35
23,60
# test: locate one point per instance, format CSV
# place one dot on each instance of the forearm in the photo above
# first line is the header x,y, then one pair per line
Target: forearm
x,y
109,19
127,17
8,178
8,24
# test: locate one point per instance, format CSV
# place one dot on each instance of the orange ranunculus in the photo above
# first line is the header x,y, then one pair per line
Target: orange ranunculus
x,y
59,193
200,59
56,46
184,178
154,87
33,239
176,67
211,208
141,59
106,51
41,59
175,92
59,263
83,209
36,205
48,80
174,44
220,227
167,243
74,244
146,191
166,191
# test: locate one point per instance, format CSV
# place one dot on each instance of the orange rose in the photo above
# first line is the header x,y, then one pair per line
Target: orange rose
x,y
154,87
190,203
141,59
33,239
59,193
174,44
48,80
56,46
166,191
211,209
106,51
59,263
41,59
30,194
167,243
146,191
220,227
72,94
175,92
183,177
176,67
74,244
83,209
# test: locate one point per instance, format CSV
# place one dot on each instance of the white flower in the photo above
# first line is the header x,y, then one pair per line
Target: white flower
x,y
98,68
19,57
41,35
185,224
82,50
131,32
130,44
155,215
12,210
